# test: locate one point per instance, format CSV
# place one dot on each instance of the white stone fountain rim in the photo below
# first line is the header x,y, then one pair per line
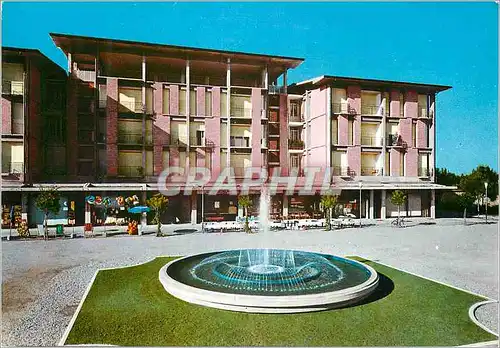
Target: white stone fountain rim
x,y
276,304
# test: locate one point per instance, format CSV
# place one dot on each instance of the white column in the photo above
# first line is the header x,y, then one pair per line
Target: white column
x,y
194,206
372,196
382,209
285,81
144,113
241,212
228,112
285,206
433,204
265,74
24,206
188,108
328,127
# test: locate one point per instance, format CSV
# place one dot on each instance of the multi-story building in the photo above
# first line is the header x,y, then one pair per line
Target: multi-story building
x,y
377,136
33,116
134,109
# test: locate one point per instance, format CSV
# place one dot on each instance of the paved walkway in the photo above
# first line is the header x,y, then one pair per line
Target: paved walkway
x,y
43,281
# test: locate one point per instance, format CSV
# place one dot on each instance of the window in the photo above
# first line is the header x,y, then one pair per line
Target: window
x,y
414,133
223,104
423,105
166,100
401,104
295,161
402,169
182,102
335,131
294,112
350,133
200,137
294,134
208,103
192,103
17,118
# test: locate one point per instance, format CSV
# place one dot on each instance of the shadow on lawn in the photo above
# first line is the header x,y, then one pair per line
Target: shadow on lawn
x,y
384,288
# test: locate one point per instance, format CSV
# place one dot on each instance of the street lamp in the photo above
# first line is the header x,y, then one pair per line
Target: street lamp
x,y
486,200
202,208
360,185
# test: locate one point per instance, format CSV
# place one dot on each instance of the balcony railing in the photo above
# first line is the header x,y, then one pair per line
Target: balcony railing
x,y
295,144
342,171
134,138
370,171
131,106
12,87
372,110
12,167
131,171
201,142
295,118
425,113
424,172
239,141
396,140
342,108
240,111
276,89
368,140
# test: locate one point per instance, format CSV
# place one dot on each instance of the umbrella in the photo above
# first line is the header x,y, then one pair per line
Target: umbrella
x,y
139,209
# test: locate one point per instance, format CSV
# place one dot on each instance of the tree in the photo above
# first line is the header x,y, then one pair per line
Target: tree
x,y
447,178
245,202
465,200
328,201
158,203
473,183
48,202
398,198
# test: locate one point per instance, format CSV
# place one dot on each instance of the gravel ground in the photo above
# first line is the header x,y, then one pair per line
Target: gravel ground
x,y
43,281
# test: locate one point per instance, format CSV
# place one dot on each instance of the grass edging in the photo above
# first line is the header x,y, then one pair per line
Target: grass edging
x,y
471,309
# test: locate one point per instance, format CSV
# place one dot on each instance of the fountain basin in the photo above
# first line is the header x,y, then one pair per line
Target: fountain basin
x,y
268,280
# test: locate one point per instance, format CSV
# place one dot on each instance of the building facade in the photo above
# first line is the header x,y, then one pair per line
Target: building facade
x,y
134,109
33,129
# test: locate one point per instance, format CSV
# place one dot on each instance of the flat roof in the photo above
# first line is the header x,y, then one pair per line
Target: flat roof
x,y
42,58
88,44
326,79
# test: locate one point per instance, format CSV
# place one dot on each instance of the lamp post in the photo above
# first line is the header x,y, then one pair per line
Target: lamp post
x,y
486,200
360,185
202,208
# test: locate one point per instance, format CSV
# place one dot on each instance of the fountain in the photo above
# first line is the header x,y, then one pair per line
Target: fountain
x,y
268,280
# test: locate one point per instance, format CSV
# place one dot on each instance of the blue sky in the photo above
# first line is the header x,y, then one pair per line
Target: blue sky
x,y
440,43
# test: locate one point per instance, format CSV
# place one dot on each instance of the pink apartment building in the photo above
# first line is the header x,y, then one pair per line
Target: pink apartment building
x,y
134,109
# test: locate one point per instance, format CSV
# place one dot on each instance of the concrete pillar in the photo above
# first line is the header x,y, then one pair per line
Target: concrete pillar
x,y
241,212
285,206
371,211
24,206
194,206
382,206
285,81
143,101
433,204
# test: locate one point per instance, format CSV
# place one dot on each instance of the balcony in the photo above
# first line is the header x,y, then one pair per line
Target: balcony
x,y
201,142
370,171
241,112
295,118
424,172
237,141
425,113
395,140
372,110
295,144
367,140
131,171
12,87
342,108
134,139
12,167
239,172
276,89
342,171
131,106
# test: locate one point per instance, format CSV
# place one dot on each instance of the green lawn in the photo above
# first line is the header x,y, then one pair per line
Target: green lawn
x,y
129,306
